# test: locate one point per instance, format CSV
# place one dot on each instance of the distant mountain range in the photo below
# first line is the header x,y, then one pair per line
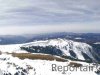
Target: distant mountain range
x,y
80,37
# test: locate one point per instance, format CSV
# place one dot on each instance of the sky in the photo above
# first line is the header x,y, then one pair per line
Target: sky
x,y
46,16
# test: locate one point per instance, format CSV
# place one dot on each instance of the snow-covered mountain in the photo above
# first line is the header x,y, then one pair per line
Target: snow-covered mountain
x,y
62,47
59,47
11,62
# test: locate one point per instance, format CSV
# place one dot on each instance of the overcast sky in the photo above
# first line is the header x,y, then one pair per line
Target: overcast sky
x,y
43,16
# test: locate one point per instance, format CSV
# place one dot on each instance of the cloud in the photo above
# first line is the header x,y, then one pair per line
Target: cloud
x,y
52,11
49,12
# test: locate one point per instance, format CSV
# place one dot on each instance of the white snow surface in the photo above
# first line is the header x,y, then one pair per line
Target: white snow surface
x,y
11,48
97,43
78,38
12,65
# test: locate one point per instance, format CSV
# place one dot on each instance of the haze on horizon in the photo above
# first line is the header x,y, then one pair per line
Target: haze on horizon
x,y
46,16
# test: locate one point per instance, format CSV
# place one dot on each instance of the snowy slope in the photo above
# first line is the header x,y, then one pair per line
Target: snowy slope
x,y
14,66
67,47
62,47
11,48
